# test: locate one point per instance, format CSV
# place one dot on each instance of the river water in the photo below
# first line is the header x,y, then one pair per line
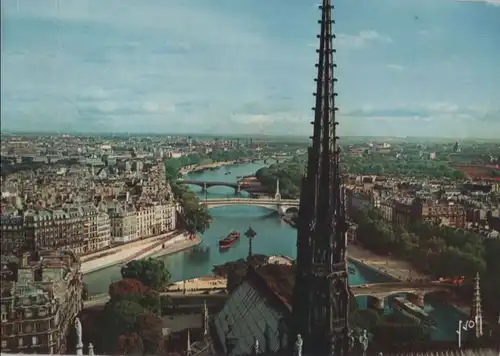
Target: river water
x,y
274,237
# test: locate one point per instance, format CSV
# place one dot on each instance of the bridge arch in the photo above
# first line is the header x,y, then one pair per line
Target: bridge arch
x,y
208,184
416,291
292,209
276,205
268,207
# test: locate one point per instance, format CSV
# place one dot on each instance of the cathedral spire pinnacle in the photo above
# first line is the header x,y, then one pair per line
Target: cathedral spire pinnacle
x,y
205,320
476,312
321,295
188,346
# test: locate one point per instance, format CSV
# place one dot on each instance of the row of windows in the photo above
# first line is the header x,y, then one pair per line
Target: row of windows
x,y
35,340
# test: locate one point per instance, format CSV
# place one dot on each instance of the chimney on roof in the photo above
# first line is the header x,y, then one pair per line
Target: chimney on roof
x,y
25,260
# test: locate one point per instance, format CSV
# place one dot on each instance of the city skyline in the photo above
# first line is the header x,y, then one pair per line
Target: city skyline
x,y
405,67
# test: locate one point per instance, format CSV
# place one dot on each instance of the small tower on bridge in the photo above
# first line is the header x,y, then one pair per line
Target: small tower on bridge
x,y
277,196
476,313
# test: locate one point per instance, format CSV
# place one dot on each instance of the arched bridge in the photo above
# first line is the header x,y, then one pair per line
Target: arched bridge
x,y
280,205
208,184
384,290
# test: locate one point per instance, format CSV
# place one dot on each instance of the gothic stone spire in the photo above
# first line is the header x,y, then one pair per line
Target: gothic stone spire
x,y
321,294
476,313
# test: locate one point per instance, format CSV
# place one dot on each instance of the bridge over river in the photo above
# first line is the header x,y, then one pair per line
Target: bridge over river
x,y
379,291
280,205
238,186
208,184
384,290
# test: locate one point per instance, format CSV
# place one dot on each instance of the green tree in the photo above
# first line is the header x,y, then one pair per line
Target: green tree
x,y
119,319
150,272
129,344
365,319
388,334
134,290
172,169
149,327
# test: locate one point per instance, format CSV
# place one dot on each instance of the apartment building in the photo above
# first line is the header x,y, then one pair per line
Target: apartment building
x,y
96,226
407,210
130,222
12,232
103,230
123,220
42,229
41,294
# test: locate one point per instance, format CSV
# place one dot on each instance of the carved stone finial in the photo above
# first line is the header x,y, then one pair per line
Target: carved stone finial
x,y
188,348
91,349
79,342
298,345
256,346
205,320
363,340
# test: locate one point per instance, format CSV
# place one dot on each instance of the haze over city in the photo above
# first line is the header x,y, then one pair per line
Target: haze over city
x,y
420,68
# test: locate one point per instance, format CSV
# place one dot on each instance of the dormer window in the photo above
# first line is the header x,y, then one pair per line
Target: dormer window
x,y
42,312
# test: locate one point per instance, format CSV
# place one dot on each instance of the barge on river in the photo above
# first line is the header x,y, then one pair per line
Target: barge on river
x,y
229,241
410,310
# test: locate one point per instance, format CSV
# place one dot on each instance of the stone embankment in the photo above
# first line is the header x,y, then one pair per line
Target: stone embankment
x,y
386,265
118,248
124,253
289,220
182,242
197,286
199,168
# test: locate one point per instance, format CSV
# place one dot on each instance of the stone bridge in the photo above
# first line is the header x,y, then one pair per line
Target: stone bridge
x,y
380,291
208,184
280,205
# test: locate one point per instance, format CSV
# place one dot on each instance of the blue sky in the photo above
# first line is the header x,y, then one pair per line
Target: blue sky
x,y
405,67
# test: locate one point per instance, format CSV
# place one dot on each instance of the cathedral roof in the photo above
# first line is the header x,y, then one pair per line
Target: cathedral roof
x,y
258,308
277,279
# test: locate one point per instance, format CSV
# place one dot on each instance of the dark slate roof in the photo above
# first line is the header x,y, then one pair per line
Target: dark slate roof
x,y
255,309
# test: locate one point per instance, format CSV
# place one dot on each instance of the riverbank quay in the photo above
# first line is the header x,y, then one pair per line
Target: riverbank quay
x,y
197,286
385,265
179,245
395,269
126,252
203,167
118,248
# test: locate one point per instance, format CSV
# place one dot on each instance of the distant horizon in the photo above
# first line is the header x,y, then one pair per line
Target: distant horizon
x,y
421,68
233,135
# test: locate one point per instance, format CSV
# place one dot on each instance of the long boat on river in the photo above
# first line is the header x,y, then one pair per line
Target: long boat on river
x,y
412,311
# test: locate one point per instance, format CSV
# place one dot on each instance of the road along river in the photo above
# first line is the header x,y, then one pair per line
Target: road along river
x,y
274,237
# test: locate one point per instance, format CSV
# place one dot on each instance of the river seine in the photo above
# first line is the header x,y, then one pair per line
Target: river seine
x,y
274,237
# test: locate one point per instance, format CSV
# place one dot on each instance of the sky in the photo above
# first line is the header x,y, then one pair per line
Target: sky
x,y
404,67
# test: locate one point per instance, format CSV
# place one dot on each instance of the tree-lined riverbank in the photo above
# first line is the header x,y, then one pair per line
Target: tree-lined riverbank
x,y
274,237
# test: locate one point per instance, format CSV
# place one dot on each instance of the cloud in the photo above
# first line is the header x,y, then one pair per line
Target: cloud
x,y
423,112
186,66
362,39
395,67
488,2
